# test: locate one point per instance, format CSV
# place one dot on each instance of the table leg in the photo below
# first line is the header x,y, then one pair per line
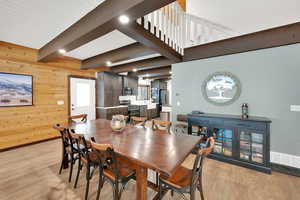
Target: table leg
x,y
141,183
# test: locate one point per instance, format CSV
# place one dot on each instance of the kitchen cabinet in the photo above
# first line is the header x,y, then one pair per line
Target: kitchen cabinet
x,y
108,89
107,113
130,82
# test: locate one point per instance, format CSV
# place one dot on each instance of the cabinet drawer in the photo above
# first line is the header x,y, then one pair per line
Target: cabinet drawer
x,y
197,121
246,124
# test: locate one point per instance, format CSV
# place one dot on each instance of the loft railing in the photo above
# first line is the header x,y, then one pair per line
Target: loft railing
x,y
201,31
167,24
180,30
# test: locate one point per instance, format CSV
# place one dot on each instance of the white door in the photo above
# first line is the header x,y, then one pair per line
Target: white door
x,y
83,95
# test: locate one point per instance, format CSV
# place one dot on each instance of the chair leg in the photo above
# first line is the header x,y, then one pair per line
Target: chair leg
x,y
200,188
87,182
71,168
64,159
172,193
116,191
122,190
100,186
61,166
192,193
78,172
159,191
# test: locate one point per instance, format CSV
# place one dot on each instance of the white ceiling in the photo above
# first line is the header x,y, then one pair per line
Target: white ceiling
x,y
33,23
246,16
108,42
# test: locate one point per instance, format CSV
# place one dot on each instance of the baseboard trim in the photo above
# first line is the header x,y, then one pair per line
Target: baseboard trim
x,y
285,169
28,144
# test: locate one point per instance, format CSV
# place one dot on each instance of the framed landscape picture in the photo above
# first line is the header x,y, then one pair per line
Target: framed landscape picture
x,y
15,90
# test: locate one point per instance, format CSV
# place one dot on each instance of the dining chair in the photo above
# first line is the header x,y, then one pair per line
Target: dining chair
x,y
186,181
70,151
82,118
161,126
111,169
138,121
86,157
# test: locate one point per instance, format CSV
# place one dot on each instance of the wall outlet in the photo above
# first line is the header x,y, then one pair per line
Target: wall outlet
x,y
295,108
60,102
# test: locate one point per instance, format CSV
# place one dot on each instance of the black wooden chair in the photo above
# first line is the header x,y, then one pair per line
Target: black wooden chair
x,y
161,126
70,151
138,121
86,157
82,118
111,169
185,180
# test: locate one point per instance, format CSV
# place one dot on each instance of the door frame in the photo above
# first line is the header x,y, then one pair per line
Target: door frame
x,y
69,89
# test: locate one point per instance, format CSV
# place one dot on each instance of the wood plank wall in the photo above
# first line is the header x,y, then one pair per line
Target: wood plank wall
x,y
23,125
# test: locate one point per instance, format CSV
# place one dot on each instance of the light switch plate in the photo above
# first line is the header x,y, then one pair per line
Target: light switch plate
x,y
60,102
295,108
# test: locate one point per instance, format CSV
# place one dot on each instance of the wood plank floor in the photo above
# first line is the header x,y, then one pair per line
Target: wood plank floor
x,y
31,173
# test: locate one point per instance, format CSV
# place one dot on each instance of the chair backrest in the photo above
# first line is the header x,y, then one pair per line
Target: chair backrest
x,y
82,145
106,157
198,164
83,117
64,135
138,120
161,126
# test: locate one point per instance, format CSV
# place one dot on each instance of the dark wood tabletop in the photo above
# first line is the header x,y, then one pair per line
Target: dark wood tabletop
x,y
160,152
143,148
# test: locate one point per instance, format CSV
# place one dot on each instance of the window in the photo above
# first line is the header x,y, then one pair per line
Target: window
x,y
83,94
143,92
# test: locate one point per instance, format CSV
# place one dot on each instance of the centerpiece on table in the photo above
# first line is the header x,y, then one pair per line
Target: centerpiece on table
x,y
118,123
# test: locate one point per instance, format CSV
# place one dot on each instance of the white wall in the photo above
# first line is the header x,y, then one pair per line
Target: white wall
x,y
247,16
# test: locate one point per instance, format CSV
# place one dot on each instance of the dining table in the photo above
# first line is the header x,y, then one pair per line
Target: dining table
x,y
143,148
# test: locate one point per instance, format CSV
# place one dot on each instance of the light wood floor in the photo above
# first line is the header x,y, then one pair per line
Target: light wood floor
x,y
31,173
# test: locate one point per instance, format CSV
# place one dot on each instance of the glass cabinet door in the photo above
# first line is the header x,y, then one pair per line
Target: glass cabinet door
x,y
257,147
251,146
223,144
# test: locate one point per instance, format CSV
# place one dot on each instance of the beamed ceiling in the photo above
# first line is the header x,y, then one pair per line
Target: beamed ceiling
x,y
68,24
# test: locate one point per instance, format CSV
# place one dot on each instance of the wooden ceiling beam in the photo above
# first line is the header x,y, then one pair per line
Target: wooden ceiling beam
x,y
158,77
100,21
275,37
128,52
159,70
151,62
143,36
95,24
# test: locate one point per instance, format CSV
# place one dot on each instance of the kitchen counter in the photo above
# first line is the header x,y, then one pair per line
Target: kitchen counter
x,y
121,106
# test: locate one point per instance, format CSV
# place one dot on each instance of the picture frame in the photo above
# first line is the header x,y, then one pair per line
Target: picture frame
x,y
16,90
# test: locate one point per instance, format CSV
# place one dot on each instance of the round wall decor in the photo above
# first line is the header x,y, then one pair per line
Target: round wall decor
x,y
221,88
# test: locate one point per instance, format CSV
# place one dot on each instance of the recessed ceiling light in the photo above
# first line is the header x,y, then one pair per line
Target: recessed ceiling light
x,y
170,72
134,70
108,63
124,19
62,51
147,75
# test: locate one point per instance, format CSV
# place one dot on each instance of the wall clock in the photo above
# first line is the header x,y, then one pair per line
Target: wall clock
x,y
221,88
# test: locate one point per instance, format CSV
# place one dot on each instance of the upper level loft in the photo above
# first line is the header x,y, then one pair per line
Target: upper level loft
x,y
130,36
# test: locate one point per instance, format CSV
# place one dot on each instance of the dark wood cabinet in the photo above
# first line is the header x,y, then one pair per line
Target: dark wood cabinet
x,y
131,82
245,142
107,113
109,88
